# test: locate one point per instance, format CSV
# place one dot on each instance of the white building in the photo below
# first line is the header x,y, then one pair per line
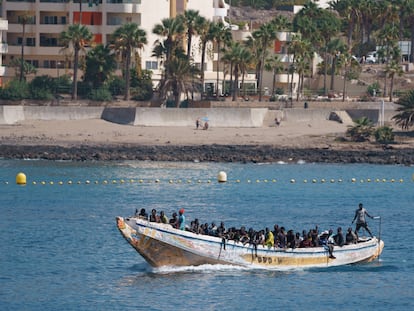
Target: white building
x,y
3,48
51,17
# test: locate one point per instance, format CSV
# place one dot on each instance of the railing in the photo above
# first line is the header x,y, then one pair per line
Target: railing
x,y
4,48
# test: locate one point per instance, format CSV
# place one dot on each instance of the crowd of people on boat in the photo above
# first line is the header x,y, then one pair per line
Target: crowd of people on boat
x,y
279,237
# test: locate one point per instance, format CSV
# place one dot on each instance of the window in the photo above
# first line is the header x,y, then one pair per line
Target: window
x,y
34,63
198,66
45,41
151,65
30,41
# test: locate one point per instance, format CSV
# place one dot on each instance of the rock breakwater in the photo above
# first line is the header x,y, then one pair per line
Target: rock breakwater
x,y
208,153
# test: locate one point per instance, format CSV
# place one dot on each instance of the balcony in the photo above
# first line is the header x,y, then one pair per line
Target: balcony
x,y
31,50
220,12
4,24
4,48
123,7
286,78
285,36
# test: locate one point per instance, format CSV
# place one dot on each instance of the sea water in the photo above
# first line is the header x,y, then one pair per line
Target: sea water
x,y
60,248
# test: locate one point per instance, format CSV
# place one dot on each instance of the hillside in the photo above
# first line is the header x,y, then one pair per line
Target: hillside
x,y
239,15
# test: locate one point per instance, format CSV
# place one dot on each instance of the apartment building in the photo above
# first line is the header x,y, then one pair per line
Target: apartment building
x,y
48,18
3,48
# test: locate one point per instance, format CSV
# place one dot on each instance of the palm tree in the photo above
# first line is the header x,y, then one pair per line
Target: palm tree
x,y
346,61
361,131
274,65
405,116
349,11
328,26
264,37
205,33
220,34
178,79
24,19
302,52
238,56
172,29
191,20
319,27
335,48
126,39
388,37
255,50
76,36
100,64
393,68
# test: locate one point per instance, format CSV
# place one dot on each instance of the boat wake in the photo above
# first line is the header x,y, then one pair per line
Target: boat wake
x,y
208,268
200,269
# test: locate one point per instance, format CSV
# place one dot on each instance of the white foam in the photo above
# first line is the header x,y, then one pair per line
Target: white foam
x,y
221,268
202,268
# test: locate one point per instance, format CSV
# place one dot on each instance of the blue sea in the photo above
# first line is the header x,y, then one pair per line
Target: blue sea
x,y
60,248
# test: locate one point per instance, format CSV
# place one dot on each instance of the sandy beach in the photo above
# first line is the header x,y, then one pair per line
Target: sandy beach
x,y
101,140
100,132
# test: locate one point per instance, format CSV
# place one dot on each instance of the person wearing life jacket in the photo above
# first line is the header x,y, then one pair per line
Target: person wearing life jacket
x,y
270,239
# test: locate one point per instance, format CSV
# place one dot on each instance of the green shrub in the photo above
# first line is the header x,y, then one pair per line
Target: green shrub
x,y
41,94
100,94
141,93
384,135
374,89
117,86
84,89
42,87
15,90
361,130
63,84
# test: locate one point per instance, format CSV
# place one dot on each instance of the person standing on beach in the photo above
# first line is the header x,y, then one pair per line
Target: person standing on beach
x,y
360,219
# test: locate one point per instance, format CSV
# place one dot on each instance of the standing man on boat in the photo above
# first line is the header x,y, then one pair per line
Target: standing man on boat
x,y
360,219
181,219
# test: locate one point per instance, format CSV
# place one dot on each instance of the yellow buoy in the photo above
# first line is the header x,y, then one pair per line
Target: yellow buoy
x,y
222,177
21,179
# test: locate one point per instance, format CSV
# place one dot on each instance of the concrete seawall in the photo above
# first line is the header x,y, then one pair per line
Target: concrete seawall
x,y
217,117
14,114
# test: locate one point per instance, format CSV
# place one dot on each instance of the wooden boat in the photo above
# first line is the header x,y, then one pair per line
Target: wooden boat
x,y
162,245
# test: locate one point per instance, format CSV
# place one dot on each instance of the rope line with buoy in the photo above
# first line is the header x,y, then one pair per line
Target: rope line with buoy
x,y
222,178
